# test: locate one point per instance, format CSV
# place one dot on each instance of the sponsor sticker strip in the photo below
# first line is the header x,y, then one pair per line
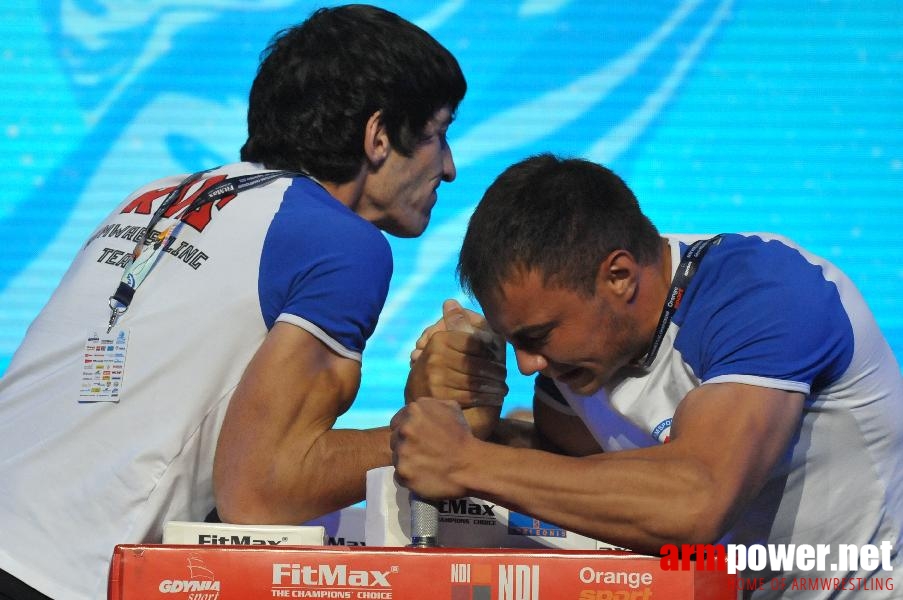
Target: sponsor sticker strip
x,y
181,572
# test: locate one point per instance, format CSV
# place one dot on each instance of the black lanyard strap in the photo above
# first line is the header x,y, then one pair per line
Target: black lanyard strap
x,y
132,278
685,272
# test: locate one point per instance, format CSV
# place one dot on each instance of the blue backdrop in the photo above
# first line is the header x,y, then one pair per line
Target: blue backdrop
x,y
723,115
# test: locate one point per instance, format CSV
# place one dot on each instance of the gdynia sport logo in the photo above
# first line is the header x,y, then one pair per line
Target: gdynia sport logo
x,y
830,567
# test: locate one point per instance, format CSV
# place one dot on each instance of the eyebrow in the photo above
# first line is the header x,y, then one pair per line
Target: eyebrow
x,y
529,333
434,126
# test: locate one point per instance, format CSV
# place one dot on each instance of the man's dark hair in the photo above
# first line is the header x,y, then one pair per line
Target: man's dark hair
x,y
560,217
319,83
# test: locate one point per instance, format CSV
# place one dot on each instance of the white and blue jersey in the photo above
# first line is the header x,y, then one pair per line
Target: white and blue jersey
x,y
79,477
762,311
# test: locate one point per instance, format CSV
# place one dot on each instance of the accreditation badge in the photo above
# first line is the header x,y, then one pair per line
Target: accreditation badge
x,y
104,365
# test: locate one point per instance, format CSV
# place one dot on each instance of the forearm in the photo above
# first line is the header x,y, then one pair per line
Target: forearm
x,y
726,441
614,497
278,458
301,482
334,473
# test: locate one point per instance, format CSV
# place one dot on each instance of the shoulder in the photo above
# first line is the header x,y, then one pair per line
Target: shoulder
x,y
759,305
309,212
744,265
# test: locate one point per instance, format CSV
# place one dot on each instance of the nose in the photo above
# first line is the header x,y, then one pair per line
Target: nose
x,y
449,172
529,363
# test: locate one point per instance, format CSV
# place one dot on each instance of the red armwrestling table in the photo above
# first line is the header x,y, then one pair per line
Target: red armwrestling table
x,y
184,572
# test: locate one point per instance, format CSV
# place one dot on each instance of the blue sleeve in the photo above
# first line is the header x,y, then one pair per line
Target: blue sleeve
x,y
760,309
324,268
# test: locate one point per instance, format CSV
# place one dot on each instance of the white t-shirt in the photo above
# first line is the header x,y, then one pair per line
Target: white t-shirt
x,y
77,478
762,311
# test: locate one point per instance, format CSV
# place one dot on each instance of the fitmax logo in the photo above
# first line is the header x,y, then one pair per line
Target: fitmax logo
x,y
235,540
462,506
340,541
337,575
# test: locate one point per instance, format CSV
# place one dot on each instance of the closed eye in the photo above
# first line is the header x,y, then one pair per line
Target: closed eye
x,y
532,339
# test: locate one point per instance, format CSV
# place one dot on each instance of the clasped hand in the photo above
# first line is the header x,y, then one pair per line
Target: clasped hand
x,y
459,358
454,394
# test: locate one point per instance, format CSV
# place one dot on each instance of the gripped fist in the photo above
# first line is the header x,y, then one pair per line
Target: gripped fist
x,y
429,441
459,358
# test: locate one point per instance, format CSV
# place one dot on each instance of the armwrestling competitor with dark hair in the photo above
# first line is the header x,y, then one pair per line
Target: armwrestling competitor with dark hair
x,y
726,389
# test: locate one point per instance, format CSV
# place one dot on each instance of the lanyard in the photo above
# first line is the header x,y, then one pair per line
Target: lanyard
x,y
685,272
143,259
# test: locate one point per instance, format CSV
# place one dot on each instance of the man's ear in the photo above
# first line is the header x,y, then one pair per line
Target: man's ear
x,y
376,140
618,274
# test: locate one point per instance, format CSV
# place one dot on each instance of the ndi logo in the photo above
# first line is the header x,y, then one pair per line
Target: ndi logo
x,y
471,582
518,582
520,524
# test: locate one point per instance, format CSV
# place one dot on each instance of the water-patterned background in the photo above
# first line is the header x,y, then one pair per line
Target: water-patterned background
x,y
723,115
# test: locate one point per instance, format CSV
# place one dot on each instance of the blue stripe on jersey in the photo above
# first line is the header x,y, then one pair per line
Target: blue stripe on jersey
x,y
324,263
760,308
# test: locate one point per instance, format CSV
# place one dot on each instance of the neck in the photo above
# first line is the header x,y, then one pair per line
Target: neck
x,y
348,193
659,274
665,260
658,277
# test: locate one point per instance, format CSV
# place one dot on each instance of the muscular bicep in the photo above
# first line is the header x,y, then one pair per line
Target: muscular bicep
x,y
736,434
291,393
